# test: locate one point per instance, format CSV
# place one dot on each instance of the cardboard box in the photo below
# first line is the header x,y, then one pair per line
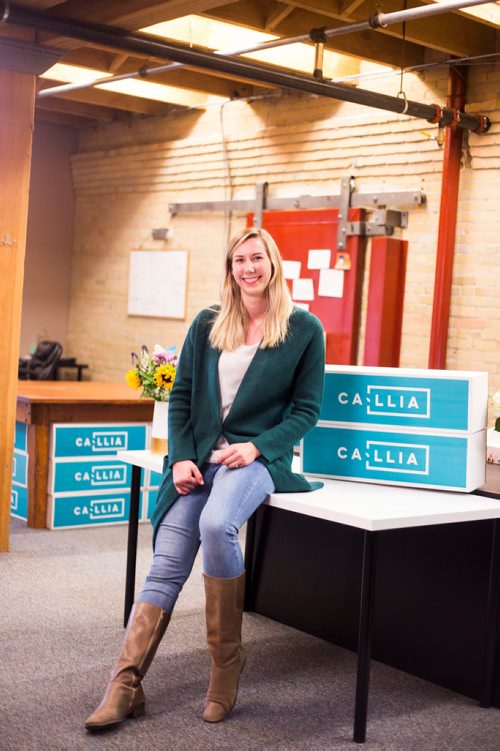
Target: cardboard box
x,y
396,457
20,468
77,476
91,509
429,400
100,439
19,502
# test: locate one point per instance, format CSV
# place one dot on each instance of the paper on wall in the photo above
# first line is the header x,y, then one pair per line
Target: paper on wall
x,y
319,258
303,289
291,269
303,305
331,283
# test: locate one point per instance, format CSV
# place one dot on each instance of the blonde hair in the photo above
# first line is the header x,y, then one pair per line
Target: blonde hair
x,y
229,328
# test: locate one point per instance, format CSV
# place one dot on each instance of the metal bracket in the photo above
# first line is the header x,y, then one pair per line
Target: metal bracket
x,y
346,190
383,220
260,204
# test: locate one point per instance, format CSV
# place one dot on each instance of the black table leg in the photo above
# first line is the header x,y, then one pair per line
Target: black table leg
x,y
133,525
365,634
249,556
491,621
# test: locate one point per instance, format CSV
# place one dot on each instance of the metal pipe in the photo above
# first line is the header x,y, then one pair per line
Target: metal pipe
x,y
450,182
147,45
380,20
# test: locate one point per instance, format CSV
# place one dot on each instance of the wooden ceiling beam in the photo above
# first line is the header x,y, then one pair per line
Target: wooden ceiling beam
x,y
278,15
367,45
209,82
79,109
135,14
348,6
100,97
451,33
60,118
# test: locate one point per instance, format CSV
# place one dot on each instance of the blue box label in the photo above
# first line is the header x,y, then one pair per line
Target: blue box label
x,y
71,511
20,468
75,511
406,458
21,436
19,502
430,403
74,477
97,440
155,479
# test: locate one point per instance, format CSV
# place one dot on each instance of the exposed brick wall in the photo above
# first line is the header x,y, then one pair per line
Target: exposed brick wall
x,y
125,176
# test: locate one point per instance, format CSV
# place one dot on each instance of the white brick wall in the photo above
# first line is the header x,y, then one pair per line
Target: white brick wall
x,y
126,174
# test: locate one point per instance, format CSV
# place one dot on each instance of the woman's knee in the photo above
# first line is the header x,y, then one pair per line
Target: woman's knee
x,y
214,529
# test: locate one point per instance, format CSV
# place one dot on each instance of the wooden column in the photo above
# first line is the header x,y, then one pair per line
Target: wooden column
x,y
17,98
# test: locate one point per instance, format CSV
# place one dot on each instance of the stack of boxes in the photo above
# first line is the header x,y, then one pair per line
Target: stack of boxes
x,y
87,484
421,428
19,494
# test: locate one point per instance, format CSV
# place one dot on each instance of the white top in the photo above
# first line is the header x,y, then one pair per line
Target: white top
x,y
232,368
364,505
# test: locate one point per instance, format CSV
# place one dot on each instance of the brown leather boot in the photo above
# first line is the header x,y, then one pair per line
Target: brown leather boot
x,y
124,696
224,611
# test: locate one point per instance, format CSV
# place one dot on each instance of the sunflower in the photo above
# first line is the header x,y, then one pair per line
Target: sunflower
x,y
133,379
165,375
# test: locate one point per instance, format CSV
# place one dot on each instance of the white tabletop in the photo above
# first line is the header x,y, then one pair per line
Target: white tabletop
x,y
366,505
144,459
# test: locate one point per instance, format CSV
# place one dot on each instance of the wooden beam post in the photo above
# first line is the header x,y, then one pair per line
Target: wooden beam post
x,y
17,100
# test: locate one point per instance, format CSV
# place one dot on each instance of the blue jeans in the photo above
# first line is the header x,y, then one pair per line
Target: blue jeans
x,y
211,514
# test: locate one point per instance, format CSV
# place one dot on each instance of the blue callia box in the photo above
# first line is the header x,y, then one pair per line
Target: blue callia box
x,y
21,436
401,397
155,479
19,501
401,426
97,440
20,468
443,461
65,511
80,476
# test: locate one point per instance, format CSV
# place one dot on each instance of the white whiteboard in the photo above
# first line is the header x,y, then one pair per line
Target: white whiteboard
x,y
157,283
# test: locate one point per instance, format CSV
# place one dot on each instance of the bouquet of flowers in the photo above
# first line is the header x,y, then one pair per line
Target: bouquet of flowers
x,y
155,373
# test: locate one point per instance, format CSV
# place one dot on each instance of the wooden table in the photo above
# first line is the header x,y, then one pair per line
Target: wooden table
x,y
42,403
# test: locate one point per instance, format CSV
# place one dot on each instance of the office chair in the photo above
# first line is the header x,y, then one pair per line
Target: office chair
x,y
42,366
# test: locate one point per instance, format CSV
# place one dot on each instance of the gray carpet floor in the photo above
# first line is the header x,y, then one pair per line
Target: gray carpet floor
x,y
61,605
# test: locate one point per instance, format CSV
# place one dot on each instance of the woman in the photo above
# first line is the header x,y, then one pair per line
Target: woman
x,y
248,387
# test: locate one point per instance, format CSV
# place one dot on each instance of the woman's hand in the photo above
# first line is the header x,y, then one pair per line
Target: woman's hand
x,y
186,476
238,455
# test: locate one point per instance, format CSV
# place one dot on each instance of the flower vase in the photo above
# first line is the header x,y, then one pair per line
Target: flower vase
x,y
159,429
493,446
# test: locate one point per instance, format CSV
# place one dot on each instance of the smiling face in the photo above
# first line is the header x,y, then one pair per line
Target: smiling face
x,y
251,268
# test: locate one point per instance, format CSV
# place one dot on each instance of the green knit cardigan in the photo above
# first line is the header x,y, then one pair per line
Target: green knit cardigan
x,y
277,402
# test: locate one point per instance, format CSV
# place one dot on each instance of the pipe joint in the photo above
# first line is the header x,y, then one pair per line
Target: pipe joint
x,y
318,36
484,124
143,72
377,21
438,114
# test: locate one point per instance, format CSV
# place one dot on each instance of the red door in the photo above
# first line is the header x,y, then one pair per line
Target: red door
x,y
337,306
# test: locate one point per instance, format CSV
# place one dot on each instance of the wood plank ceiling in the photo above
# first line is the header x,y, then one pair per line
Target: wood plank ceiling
x,y
469,33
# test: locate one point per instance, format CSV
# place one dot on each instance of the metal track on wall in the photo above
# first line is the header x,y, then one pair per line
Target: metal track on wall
x,y
383,219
